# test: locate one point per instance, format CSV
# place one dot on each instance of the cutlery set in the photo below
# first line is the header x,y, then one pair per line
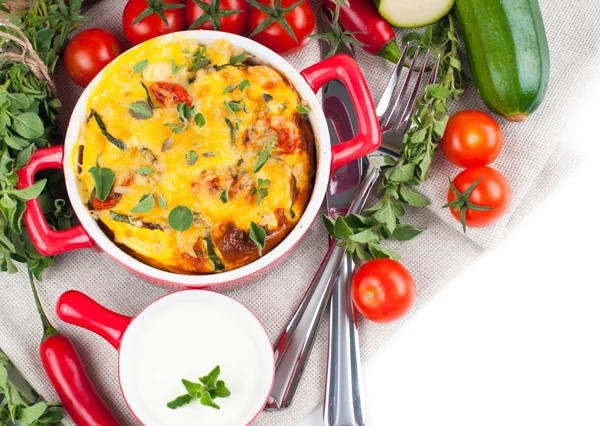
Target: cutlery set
x,y
348,192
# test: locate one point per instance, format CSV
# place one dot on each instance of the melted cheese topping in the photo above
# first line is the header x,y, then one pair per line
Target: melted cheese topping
x,y
210,167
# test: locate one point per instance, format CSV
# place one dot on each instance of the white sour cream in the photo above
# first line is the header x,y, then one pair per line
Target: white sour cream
x,y
184,336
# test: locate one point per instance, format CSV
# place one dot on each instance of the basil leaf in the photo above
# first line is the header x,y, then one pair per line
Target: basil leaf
x,y
258,235
28,125
104,179
145,204
181,218
144,171
140,66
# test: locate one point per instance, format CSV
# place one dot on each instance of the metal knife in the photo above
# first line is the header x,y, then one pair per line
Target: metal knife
x,y
296,342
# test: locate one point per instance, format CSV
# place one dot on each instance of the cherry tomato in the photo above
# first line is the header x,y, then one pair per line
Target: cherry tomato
x,y
159,17
168,94
230,16
383,290
301,20
492,191
89,52
472,139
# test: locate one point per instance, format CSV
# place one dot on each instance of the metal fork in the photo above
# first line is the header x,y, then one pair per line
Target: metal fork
x,y
295,345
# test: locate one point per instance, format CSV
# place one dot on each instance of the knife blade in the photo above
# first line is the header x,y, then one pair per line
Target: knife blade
x,y
343,405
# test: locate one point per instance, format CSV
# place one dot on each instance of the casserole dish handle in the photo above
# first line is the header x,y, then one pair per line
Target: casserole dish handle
x,y
45,239
368,134
76,308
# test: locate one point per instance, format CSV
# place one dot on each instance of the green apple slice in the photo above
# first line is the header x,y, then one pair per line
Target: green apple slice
x,y
413,13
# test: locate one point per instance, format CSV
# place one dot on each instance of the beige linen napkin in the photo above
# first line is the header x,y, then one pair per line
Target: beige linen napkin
x,y
533,160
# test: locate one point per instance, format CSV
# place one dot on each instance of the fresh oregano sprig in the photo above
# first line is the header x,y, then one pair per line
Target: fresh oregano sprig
x,y
363,234
209,388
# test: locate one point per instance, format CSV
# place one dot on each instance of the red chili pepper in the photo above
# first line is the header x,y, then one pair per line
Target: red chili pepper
x,y
67,373
363,18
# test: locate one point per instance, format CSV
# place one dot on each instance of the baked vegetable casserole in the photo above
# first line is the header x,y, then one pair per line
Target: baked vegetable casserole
x,y
193,159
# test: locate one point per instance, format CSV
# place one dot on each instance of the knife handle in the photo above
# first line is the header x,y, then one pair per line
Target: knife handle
x,y
295,345
343,396
368,134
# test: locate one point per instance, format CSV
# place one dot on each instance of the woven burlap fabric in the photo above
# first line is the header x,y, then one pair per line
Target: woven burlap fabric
x,y
533,160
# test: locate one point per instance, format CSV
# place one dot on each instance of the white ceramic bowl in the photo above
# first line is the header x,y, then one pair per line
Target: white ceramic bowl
x,y
183,335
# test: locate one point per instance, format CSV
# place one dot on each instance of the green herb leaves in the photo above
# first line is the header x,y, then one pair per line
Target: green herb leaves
x,y
261,189
140,110
186,115
17,403
362,235
27,125
116,142
145,205
258,235
191,158
241,85
181,218
104,179
264,155
209,388
140,66
301,109
144,171
176,68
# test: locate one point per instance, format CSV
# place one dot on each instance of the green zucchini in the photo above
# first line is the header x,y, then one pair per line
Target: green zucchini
x,y
413,13
508,53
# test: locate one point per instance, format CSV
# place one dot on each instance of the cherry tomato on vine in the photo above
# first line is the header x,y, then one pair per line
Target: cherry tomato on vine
x,y
230,16
472,139
479,197
146,19
282,26
89,52
383,290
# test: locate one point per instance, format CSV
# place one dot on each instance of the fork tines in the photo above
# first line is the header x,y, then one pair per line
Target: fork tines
x,y
390,118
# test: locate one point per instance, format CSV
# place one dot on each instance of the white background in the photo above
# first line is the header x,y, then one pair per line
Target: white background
x,y
515,339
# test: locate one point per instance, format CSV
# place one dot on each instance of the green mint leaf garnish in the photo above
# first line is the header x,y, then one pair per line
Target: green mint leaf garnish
x,y
205,392
191,157
264,155
258,235
140,66
261,189
162,202
181,218
301,109
199,120
104,179
244,85
140,110
145,204
175,68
